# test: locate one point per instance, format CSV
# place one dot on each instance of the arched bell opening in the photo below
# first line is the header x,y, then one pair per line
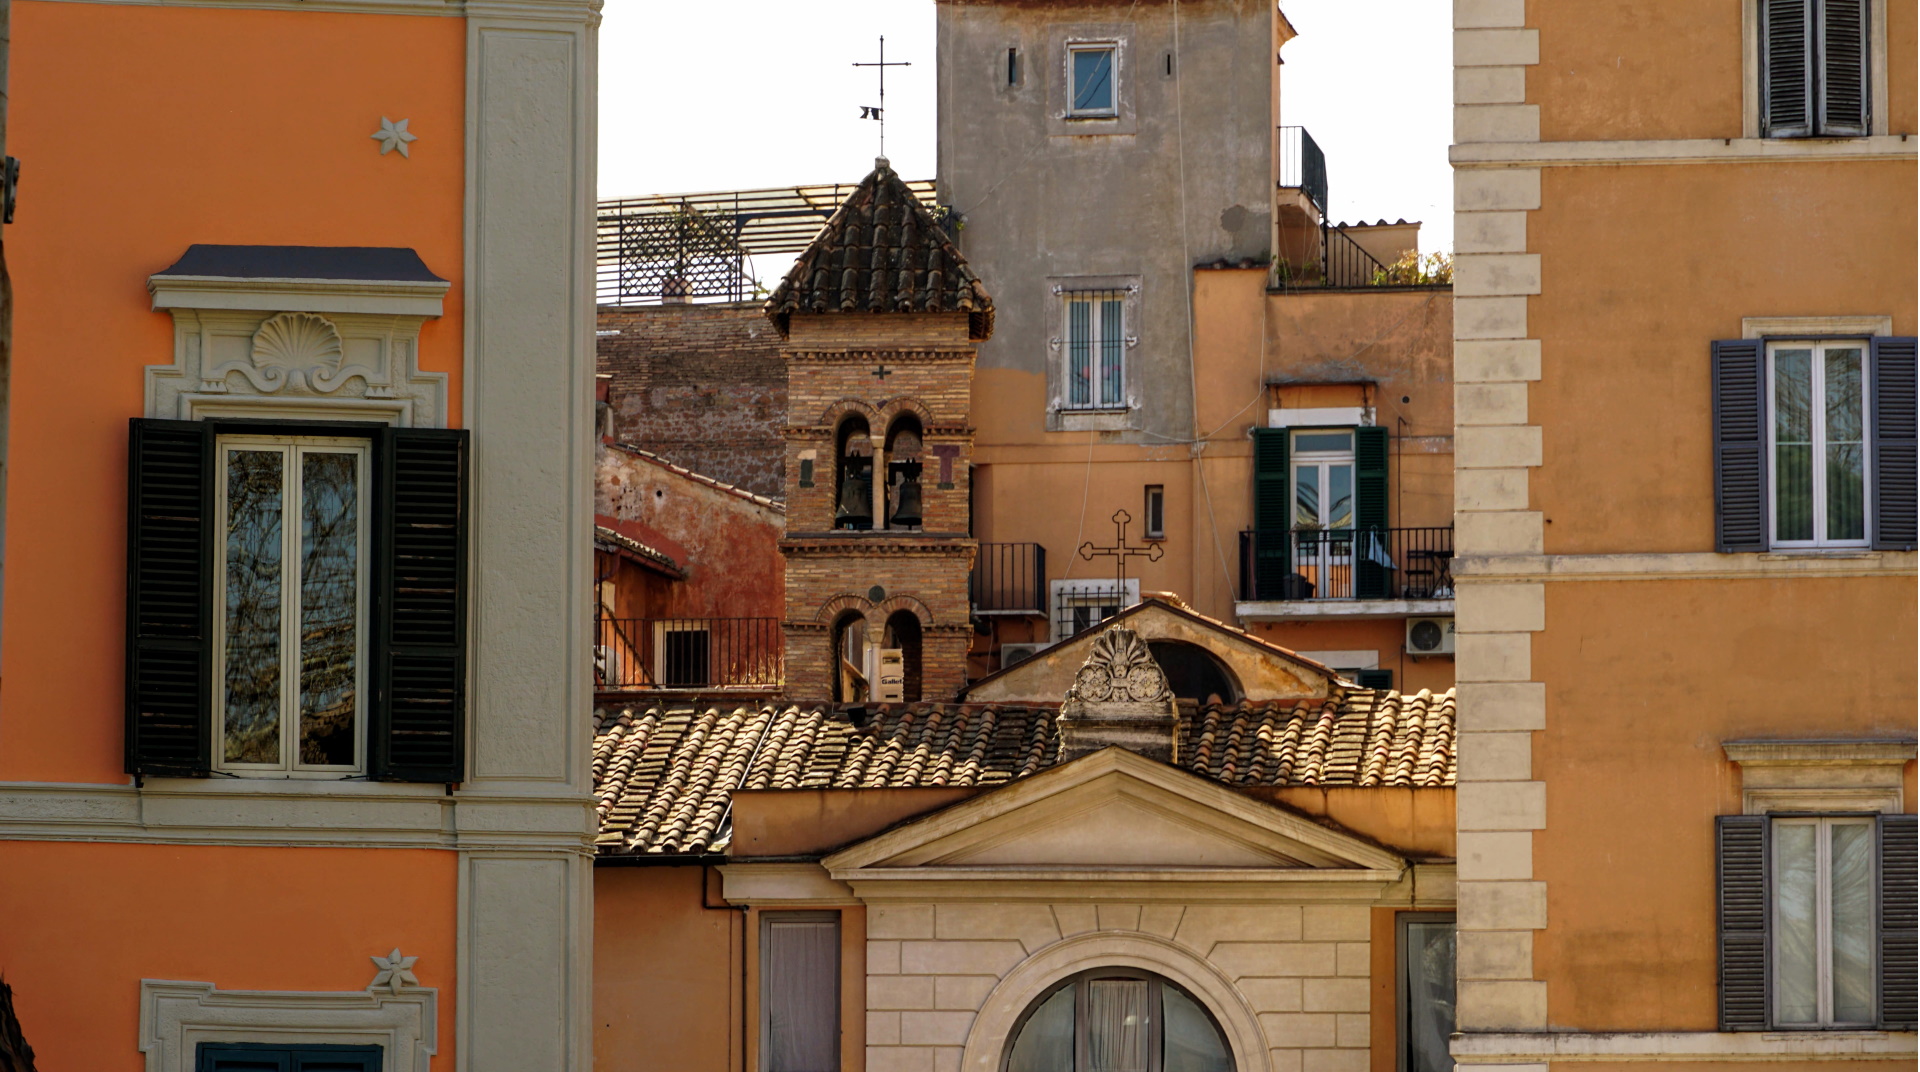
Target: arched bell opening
x,y
853,475
848,658
1193,672
903,633
905,446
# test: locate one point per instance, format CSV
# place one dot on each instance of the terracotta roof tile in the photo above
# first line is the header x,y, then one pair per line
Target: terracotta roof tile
x,y
664,776
882,252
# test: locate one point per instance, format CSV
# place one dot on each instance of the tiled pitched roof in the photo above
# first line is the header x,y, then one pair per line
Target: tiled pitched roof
x,y
606,539
882,252
663,776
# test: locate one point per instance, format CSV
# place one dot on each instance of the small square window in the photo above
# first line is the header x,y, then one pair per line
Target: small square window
x,y
1093,74
1156,512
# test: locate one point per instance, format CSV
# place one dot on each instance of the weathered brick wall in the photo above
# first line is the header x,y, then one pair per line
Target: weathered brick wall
x,y
846,572
701,385
1303,970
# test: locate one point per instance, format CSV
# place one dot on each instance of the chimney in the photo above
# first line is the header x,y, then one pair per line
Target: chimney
x,y
1120,697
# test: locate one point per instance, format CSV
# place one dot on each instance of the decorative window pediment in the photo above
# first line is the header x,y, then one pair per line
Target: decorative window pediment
x,y
1821,776
1114,816
311,332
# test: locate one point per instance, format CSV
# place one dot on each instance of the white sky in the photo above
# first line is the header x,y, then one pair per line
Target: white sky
x,y
737,94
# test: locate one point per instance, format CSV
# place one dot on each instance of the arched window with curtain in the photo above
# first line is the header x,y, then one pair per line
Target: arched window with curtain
x,y
903,632
1117,1020
853,475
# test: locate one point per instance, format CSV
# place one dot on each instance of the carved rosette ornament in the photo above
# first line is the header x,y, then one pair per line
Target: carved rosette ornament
x,y
1119,697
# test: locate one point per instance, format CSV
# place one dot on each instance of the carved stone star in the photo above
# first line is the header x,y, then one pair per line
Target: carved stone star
x,y
392,135
396,971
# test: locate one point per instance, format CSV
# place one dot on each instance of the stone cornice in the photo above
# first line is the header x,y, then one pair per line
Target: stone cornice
x,y
933,355
1702,565
402,297
1536,1048
931,433
1533,154
933,543
573,12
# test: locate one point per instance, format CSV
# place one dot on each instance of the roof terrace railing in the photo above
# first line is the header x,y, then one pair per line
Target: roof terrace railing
x,y
689,654
1303,166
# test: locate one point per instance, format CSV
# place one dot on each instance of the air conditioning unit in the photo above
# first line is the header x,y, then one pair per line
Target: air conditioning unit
x,y
1019,653
1429,636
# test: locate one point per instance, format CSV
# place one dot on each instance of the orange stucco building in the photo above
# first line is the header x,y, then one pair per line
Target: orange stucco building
x,y
322,261
1687,685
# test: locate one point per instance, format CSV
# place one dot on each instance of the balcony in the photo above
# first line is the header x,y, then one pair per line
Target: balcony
x,y
1010,579
1302,167
1338,573
688,654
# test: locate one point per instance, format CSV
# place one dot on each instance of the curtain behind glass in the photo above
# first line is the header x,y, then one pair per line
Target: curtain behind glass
x,y
1852,922
801,991
1112,382
1079,353
1429,952
1117,1025
1796,942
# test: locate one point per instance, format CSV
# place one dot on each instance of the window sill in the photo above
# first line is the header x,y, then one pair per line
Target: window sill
x,y
283,785
1118,419
1788,554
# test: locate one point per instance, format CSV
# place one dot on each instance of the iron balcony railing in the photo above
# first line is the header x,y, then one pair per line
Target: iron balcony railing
x,y
1330,564
1303,166
1010,578
688,653
1345,264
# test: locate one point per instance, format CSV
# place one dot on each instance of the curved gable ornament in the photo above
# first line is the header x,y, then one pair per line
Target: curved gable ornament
x,y
1120,669
295,350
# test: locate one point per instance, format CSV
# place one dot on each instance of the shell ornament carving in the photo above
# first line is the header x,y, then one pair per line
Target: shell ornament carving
x,y
1120,669
297,350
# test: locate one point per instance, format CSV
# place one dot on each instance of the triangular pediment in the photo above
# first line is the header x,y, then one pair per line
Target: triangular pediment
x,y
1112,812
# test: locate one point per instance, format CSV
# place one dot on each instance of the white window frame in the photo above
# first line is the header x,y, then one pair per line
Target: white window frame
x,y
1097,401
291,447
1819,439
1086,593
1320,460
1823,914
1112,48
1877,82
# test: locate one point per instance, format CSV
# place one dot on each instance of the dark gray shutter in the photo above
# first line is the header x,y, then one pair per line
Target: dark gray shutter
x,y
1373,679
1739,445
1786,68
1742,871
1893,444
1897,925
420,611
1844,100
1371,579
1272,513
170,527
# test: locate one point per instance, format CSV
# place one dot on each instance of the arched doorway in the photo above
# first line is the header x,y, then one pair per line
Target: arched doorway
x,y
1193,672
903,632
1117,1020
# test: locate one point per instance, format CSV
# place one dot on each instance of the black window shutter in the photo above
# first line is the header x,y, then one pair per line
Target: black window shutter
x,y
1893,444
1897,960
1739,445
420,607
1741,841
1272,513
170,527
1371,579
1844,99
1373,679
1786,68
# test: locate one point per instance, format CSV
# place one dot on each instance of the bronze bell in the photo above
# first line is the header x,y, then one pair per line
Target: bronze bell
x,y
855,508
907,510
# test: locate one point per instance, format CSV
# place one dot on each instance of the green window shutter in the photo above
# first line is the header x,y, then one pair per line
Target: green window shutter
x,y
1373,679
1741,848
419,658
1786,68
1893,431
1844,99
1272,512
1739,445
1897,923
1372,579
170,527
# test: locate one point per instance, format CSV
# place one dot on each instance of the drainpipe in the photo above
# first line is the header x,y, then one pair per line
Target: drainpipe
x,y
10,178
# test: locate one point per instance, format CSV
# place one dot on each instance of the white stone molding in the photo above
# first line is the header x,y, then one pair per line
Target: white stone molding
x,y
176,1017
1821,775
310,349
1533,1050
782,885
1760,327
1697,565
1538,154
992,1026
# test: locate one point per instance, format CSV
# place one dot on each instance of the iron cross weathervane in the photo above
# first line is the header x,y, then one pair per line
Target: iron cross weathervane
x,y
1121,550
879,112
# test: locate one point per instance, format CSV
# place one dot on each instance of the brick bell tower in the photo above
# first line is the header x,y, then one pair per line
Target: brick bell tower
x,y
880,318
